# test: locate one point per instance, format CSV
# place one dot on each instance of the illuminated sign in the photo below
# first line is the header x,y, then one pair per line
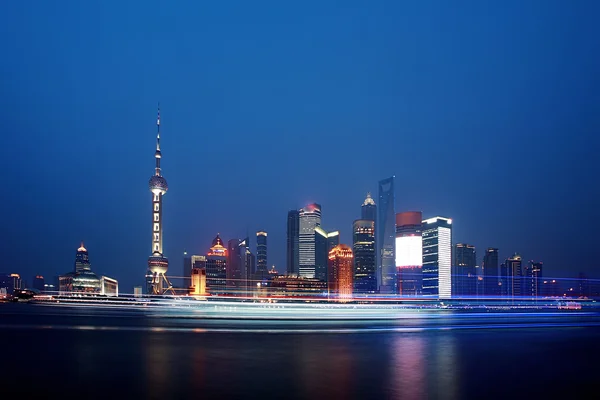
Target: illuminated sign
x,y
409,251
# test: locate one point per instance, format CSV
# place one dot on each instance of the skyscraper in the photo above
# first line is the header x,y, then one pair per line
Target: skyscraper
x,y
321,254
464,277
533,279
490,273
235,265
437,257
369,209
261,254
158,264
293,243
310,218
339,280
363,247
513,276
240,265
333,239
324,242
409,253
216,267
386,234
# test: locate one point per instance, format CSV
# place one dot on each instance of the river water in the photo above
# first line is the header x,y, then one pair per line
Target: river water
x,y
97,353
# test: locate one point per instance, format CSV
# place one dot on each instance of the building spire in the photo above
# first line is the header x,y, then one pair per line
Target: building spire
x,y
369,200
158,129
157,154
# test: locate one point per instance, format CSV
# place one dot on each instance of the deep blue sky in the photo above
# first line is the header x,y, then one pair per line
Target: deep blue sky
x,y
486,112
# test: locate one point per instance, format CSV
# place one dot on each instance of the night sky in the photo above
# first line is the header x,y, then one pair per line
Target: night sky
x,y
485,113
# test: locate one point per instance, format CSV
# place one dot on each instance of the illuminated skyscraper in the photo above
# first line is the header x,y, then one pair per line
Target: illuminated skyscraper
x,y
261,254
490,273
158,264
333,239
386,237
409,253
368,209
512,276
293,243
464,278
216,267
363,247
324,242
321,254
437,257
240,265
339,280
533,279
310,218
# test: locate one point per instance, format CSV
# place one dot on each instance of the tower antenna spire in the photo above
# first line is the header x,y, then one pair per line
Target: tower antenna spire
x,y
157,154
158,128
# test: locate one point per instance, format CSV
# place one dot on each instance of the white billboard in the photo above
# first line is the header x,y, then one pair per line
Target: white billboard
x,y
409,251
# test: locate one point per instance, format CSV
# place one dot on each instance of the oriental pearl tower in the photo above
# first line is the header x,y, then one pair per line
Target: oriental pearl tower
x,y
158,264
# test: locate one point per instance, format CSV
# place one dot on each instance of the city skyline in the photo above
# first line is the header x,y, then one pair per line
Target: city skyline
x,y
445,129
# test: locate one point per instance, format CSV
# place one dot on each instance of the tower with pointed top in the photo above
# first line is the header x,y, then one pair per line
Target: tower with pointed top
x,y
368,209
158,264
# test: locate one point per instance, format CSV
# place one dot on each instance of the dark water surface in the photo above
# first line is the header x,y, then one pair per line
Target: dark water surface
x,y
95,354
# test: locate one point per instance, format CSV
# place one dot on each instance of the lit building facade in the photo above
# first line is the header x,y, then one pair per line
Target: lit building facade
x,y
409,253
340,272
490,273
109,286
262,268
363,247
310,218
512,276
464,275
216,267
333,239
386,237
283,285
321,254
532,282
324,242
198,282
437,257
83,281
190,262
9,283
158,264
293,243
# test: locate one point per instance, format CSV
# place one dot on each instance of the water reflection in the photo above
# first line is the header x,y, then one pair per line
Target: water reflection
x,y
424,366
445,367
324,369
408,367
158,364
